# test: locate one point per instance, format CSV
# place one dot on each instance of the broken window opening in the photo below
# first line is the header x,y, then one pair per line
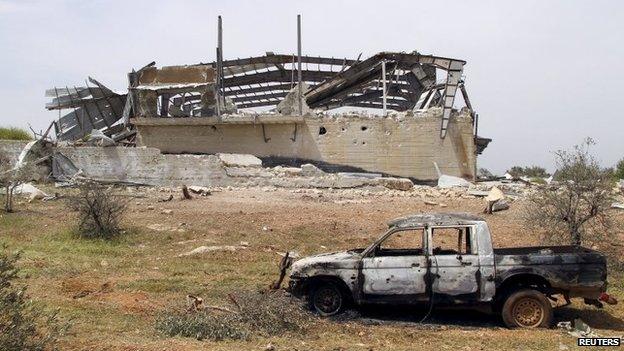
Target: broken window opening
x,y
402,243
452,241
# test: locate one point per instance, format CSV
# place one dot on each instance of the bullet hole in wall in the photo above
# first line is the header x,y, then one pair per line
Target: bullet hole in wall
x,y
364,128
322,131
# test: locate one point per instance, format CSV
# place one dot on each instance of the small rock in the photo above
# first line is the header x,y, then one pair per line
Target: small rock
x,y
150,208
166,211
310,170
269,347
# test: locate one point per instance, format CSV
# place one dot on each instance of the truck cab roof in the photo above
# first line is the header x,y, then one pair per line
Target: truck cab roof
x,y
429,219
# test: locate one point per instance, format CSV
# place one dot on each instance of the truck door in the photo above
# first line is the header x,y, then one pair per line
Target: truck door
x,y
455,262
397,266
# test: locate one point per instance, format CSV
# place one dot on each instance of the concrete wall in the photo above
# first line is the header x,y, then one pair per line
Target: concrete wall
x,y
12,148
403,147
146,165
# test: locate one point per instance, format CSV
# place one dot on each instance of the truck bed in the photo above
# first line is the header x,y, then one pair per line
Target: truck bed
x,y
527,250
577,270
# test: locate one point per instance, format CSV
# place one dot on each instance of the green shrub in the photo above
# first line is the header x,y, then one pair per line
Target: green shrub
x,y
531,172
12,133
619,170
202,325
266,312
24,326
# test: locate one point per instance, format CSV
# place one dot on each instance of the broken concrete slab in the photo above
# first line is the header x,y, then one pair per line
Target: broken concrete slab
x,y
495,194
447,181
240,160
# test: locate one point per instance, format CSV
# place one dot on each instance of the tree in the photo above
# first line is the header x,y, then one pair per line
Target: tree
x,y
24,325
11,177
576,210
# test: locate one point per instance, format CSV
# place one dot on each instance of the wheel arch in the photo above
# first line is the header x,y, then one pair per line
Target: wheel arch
x,y
315,281
522,280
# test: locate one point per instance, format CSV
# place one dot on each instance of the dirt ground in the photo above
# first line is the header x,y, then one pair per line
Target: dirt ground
x,y
113,291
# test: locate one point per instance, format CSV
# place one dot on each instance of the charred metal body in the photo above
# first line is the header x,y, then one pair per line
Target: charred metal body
x,y
472,273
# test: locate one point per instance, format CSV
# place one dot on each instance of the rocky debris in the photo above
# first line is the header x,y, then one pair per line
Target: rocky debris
x,y
396,183
310,170
27,189
578,329
495,201
166,211
200,190
240,160
447,181
98,138
205,249
166,228
618,205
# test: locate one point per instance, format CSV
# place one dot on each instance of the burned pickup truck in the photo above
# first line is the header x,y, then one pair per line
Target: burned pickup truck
x,y
448,259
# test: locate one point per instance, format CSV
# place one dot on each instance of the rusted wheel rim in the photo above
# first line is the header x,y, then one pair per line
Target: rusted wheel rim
x,y
528,312
327,300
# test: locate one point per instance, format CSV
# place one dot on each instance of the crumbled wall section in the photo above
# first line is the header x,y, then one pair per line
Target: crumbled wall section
x,y
146,166
405,147
12,148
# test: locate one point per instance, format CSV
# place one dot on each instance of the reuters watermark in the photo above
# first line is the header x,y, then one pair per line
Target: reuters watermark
x,y
598,342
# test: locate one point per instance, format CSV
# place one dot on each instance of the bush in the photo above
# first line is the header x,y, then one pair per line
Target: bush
x,y
576,212
619,170
24,326
266,312
202,325
531,172
484,173
12,133
99,209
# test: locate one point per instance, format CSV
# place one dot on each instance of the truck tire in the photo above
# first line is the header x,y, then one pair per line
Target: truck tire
x,y
527,308
327,299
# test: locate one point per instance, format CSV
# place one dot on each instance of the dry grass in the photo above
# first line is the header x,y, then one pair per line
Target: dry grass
x,y
115,290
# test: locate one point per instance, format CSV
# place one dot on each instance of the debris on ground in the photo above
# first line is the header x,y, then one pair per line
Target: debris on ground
x,y
200,190
205,249
578,329
167,199
618,205
27,189
185,193
495,201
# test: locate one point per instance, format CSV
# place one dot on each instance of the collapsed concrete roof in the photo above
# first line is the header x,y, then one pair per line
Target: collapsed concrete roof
x,y
409,80
396,81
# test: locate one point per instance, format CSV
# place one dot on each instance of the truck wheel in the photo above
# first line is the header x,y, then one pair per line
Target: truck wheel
x,y
327,299
527,309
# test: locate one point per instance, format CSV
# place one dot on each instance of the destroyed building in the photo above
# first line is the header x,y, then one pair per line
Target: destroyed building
x,y
208,109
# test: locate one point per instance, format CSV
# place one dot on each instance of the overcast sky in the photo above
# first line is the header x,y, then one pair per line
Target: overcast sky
x,y
541,74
